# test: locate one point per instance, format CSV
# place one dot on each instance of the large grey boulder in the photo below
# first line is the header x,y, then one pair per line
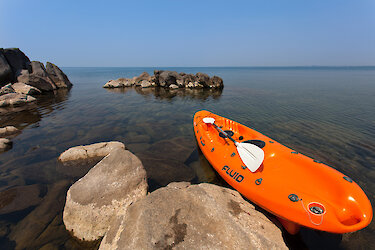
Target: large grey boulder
x,y
38,77
6,74
22,88
103,194
15,99
17,60
58,76
184,216
166,78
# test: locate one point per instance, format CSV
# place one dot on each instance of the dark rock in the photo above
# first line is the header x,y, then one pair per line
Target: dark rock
x,y
167,78
216,82
17,60
58,76
203,79
6,73
189,78
38,77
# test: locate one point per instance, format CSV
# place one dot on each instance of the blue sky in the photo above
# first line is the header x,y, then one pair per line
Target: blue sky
x,y
192,33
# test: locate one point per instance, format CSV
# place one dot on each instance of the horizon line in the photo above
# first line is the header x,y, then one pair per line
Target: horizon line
x,y
291,66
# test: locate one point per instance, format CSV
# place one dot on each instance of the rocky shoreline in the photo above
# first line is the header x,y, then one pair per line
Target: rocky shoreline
x,y
22,81
168,79
110,203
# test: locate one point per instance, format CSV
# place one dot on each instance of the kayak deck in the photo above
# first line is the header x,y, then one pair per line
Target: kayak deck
x,y
288,184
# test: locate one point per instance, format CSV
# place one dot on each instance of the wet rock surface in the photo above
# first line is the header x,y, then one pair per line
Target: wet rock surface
x,y
103,194
188,216
15,99
169,79
8,130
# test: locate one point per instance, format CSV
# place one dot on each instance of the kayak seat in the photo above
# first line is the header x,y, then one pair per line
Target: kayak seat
x,y
229,132
257,143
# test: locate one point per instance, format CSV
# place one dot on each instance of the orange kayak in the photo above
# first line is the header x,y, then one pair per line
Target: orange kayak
x,y
298,190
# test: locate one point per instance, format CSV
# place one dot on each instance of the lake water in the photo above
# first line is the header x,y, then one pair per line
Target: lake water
x,y
325,113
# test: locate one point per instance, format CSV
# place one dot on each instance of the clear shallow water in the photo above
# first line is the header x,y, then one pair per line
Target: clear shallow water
x,y
325,113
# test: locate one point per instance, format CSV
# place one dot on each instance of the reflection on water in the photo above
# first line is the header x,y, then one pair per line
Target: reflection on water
x,y
168,94
315,111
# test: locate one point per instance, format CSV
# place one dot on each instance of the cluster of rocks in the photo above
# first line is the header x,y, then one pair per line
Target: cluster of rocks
x,y
21,79
168,79
111,203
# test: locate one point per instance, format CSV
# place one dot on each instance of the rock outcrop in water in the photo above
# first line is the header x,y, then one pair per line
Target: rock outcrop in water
x,y
110,201
22,81
168,79
20,75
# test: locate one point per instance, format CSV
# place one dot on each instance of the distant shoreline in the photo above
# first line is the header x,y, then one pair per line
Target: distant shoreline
x,y
234,67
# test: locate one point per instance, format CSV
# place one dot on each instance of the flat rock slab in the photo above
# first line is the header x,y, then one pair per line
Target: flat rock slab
x,y
184,216
15,99
104,193
23,88
100,149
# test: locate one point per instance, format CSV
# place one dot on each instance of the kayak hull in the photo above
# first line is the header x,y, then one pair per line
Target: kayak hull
x,y
297,189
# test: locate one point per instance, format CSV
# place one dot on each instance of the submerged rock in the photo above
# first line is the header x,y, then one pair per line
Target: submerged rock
x,y
5,144
103,194
28,233
19,198
188,216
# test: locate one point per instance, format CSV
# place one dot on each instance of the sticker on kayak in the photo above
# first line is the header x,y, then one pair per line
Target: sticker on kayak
x,y
233,174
